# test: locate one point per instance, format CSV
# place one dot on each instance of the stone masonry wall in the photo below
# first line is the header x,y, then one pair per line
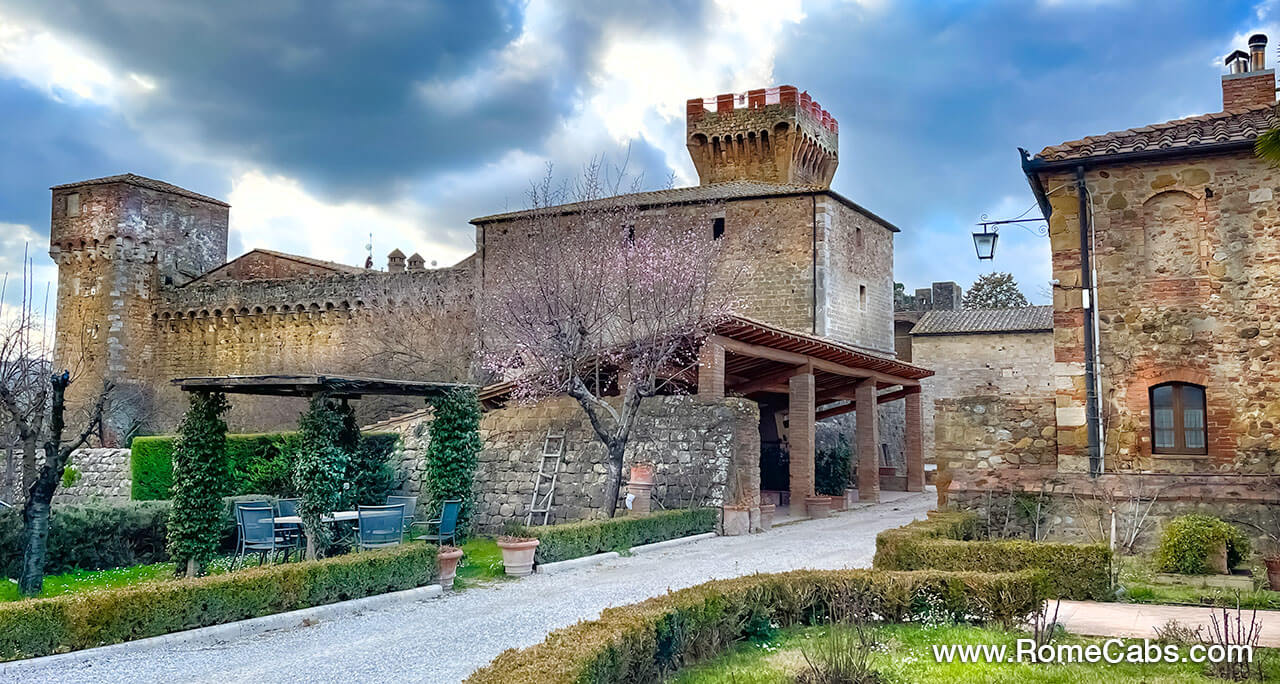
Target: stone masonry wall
x,y
104,475
855,277
1189,290
991,400
706,453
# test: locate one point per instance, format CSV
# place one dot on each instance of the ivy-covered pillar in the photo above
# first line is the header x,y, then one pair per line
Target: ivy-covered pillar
x,y
321,468
201,470
451,453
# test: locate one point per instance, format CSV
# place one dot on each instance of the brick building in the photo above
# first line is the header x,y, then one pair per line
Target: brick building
x,y
146,293
1180,223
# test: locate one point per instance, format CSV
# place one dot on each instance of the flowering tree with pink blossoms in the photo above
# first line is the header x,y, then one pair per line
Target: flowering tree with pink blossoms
x,y
598,289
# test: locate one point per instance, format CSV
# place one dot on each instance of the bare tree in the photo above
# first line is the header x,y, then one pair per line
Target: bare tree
x,y
598,285
24,373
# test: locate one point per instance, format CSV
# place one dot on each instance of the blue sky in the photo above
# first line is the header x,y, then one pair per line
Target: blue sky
x,y
406,118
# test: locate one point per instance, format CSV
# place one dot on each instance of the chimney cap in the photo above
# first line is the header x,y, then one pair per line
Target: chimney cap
x,y
396,253
1238,54
1258,39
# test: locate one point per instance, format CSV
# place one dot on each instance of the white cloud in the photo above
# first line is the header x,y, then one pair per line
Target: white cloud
x,y
276,212
64,70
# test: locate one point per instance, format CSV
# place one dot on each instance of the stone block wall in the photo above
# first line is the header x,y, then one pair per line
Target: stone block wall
x,y
1189,290
855,277
104,475
706,452
981,432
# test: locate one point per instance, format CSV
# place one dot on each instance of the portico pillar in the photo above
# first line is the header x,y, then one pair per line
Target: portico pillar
x,y
711,371
868,441
914,448
800,421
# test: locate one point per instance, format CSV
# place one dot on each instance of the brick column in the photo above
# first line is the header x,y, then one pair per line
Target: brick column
x,y
800,421
711,371
868,441
914,446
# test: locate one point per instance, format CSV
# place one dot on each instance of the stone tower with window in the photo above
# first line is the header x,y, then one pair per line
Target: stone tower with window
x,y
117,242
774,135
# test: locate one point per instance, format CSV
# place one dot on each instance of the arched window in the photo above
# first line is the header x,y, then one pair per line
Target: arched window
x,y
1178,419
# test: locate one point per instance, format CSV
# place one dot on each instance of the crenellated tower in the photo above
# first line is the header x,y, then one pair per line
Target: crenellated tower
x,y
774,135
117,241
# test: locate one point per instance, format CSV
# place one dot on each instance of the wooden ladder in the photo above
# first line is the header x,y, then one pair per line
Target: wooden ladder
x,y
544,483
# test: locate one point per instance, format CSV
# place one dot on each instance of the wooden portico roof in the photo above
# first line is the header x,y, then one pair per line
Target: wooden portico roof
x,y
759,358
340,386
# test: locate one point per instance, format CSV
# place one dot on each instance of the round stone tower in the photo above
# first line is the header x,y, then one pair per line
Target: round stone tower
x,y
119,242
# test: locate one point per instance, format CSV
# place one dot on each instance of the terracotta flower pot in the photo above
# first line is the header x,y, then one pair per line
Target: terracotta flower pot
x,y
766,516
735,521
817,506
641,474
517,555
1217,559
1273,571
448,557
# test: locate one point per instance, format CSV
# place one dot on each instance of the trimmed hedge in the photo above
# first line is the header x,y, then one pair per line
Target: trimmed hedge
x,y
648,641
1187,541
950,541
37,627
91,537
260,463
589,537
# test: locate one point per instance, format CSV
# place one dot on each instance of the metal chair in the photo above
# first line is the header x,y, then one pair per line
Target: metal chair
x,y
256,529
380,526
446,524
410,504
290,532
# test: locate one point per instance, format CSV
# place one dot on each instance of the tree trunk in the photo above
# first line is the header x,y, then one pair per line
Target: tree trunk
x,y
35,514
29,470
617,449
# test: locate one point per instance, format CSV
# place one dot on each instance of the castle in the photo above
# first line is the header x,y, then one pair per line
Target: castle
x,y
146,293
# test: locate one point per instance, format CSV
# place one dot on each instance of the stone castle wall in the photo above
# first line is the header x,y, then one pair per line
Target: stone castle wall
x,y
855,275
102,475
1188,291
705,452
991,400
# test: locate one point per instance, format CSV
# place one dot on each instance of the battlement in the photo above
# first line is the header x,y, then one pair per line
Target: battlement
x,y
776,135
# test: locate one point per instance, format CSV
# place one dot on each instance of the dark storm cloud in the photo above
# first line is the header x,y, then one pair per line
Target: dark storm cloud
x,y
330,92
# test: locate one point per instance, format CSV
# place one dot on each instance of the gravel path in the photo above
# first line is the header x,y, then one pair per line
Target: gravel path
x,y
443,640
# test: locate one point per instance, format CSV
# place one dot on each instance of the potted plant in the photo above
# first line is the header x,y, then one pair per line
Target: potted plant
x,y
447,558
817,506
517,555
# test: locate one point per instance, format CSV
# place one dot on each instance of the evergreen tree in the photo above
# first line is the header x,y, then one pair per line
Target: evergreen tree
x,y
451,453
994,291
321,469
201,471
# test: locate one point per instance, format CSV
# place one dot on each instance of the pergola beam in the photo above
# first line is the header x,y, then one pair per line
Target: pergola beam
x,y
795,359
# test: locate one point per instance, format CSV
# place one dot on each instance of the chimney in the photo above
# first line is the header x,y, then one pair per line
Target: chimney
x,y
395,262
1248,82
417,263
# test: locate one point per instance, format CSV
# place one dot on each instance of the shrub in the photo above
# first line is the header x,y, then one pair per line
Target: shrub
x,y
948,541
368,470
321,467
91,537
1188,540
650,640
200,476
589,537
831,468
151,467
37,627
451,453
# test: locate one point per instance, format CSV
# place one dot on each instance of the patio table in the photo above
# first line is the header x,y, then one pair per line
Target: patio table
x,y
336,516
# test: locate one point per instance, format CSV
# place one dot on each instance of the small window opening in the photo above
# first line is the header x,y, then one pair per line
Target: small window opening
x,y
73,204
717,228
857,236
862,297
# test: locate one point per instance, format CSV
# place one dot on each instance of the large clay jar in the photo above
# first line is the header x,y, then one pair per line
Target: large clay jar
x,y
1273,571
448,558
1217,559
517,555
817,506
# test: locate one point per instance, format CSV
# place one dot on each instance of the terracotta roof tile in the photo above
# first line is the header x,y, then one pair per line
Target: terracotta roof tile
x,y
1238,125
142,182
1018,319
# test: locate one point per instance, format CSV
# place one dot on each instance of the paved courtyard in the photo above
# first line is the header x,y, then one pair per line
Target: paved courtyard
x,y
443,640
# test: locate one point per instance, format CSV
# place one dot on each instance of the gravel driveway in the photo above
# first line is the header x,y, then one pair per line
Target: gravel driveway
x,y
443,640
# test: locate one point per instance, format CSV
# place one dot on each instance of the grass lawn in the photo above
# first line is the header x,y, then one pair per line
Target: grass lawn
x,y
481,562
87,580
904,654
1136,577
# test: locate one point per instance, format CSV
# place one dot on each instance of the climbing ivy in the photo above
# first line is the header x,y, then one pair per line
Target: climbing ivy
x,y
322,465
201,470
451,453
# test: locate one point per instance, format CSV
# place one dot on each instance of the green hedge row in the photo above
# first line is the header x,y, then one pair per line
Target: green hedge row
x,y
37,627
589,537
104,535
950,541
648,641
260,463
91,537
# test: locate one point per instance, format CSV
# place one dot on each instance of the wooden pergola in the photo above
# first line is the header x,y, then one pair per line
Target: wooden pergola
x,y
822,378
337,386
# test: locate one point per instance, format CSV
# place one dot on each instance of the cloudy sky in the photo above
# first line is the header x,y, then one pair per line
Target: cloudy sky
x,y
405,118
